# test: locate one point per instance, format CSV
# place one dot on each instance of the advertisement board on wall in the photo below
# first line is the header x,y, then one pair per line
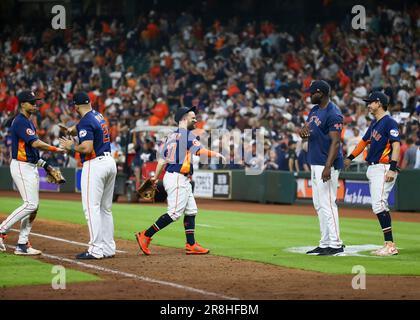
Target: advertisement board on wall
x,y
349,191
78,179
357,192
203,184
304,189
212,184
221,187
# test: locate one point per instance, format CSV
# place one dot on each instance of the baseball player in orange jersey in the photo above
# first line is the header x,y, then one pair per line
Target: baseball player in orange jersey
x,y
24,171
383,156
177,152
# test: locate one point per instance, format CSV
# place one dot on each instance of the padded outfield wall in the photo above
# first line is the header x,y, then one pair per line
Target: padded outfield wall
x,y
269,187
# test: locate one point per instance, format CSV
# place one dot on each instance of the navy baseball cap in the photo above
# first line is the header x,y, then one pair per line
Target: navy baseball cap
x,y
182,111
319,86
81,98
27,96
377,96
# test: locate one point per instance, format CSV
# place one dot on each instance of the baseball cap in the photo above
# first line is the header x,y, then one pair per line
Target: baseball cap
x,y
81,98
319,86
377,96
182,111
27,96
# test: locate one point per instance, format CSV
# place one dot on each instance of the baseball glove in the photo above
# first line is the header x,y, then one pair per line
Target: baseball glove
x,y
54,175
147,190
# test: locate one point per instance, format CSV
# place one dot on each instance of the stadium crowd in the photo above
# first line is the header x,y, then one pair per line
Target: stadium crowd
x,y
240,75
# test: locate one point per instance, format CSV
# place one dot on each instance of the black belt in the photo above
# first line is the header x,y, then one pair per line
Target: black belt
x,y
375,162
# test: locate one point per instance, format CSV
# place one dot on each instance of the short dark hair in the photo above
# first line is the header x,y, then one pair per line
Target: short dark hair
x,y
410,141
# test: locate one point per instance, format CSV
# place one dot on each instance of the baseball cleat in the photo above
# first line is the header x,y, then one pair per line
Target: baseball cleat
x,y
86,256
389,249
109,257
143,242
332,251
195,249
316,251
26,250
2,245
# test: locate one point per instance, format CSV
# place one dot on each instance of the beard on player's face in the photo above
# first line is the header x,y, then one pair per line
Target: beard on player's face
x,y
191,120
316,98
30,108
191,124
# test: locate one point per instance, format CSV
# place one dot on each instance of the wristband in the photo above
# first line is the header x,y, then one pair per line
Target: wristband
x,y
393,166
351,157
42,163
52,149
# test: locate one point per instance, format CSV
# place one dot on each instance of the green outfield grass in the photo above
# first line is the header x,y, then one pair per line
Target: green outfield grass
x,y
258,237
20,271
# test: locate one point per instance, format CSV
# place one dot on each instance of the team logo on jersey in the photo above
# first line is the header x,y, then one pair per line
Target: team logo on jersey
x,y
99,117
82,133
394,133
30,132
315,120
376,135
196,143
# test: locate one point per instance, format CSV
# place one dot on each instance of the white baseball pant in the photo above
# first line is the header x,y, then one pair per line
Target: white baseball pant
x,y
180,196
97,184
26,178
379,189
324,195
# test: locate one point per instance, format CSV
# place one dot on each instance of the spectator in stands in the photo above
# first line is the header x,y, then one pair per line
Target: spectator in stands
x,y
282,156
147,153
351,142
248,75
271,163
409,160
302,158
292,157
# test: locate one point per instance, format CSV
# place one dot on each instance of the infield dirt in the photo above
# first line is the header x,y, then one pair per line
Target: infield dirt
x,y
224,276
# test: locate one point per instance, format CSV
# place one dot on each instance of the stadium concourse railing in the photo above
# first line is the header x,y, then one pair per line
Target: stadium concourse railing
x,y
280,187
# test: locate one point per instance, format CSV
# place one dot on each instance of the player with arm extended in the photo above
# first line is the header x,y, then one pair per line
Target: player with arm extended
x,y
177,153
24,171
383,156
98,177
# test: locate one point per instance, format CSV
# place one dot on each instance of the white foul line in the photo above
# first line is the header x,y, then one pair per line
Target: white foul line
x,y
62,240
134,276
207,226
